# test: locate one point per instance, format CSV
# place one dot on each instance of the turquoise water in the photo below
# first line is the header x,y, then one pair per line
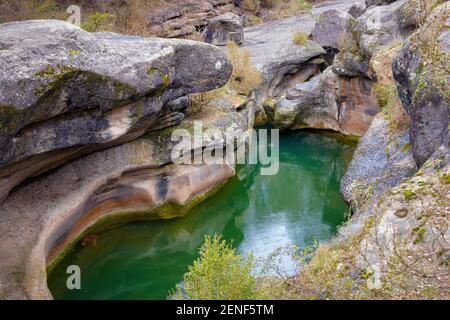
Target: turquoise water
x,y
298,206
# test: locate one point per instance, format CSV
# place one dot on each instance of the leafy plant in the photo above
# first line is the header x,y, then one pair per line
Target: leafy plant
x,y
219,274
97,21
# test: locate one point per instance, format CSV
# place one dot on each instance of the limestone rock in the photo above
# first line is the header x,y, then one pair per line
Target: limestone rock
x,y
379,27
133,181
331,27
186,18
380,162
65,92
423,98
350,65
357,9
328,101
224,28
378,2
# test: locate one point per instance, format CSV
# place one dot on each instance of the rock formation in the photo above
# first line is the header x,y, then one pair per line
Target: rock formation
x,y
224,28
60,97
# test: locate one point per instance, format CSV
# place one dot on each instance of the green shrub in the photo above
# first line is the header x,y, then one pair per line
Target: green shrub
x,y
218,274
98,22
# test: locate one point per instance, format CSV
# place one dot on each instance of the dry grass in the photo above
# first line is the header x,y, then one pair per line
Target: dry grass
x,y
245,78
30,9
346,42
300,38
386,90
291,8
131,18
114,16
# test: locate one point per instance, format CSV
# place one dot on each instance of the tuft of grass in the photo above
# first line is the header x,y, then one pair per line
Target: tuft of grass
x,y
245,77
445,179
300,38
407,147
386,94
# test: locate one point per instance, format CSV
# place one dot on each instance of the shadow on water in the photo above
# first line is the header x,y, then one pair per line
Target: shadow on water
x,y
298,206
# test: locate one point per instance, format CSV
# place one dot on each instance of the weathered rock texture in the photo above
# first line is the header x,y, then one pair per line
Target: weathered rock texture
x,y
429,108
357,9
65,92
328,101
135,180
186,18
331,27
282,63
379,27
223,29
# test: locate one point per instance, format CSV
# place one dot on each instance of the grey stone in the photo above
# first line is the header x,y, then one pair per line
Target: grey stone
x,y
423,100
65,92
357,9
224,28
331,27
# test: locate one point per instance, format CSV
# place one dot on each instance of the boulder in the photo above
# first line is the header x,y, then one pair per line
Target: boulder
x,y
186,18
224,28
332,26
379,27
350,65
309,105
328,101
65,92
357,9
422,96
378,2
380,162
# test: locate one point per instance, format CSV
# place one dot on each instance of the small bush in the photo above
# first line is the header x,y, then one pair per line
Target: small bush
x,y
98,21
219,274
245,78
300,38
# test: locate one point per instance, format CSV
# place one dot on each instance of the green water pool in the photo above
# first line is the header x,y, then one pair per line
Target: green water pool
x,y
298,206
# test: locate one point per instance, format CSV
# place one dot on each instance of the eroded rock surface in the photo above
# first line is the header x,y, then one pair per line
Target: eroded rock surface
x,y
223,29
328,101
429,109
135,180
186,18
65,92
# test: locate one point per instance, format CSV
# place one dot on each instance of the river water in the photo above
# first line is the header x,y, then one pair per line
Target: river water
x,y
299,206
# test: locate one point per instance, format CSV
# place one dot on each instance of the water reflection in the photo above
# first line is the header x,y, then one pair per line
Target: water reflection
x,y
298,206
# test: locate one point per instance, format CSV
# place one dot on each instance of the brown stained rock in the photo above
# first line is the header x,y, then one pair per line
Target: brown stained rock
x,y
358,104
131,181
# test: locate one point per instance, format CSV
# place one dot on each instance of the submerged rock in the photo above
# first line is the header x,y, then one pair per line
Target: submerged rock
x,y
65,92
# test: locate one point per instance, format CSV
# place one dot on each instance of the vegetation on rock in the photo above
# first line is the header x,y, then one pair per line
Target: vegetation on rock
x,y
219,274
